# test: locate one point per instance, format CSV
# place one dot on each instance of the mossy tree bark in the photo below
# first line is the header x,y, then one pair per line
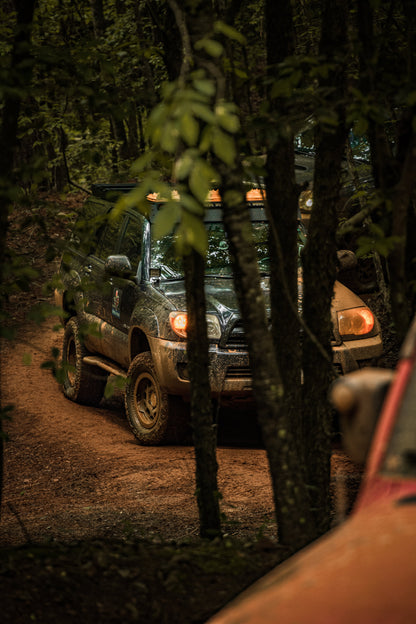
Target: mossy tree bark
x,y
282,202
203,427
319,261
294,520
195,18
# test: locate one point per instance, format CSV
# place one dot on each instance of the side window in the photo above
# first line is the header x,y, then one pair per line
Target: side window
x,y
89,226
131,243
108,242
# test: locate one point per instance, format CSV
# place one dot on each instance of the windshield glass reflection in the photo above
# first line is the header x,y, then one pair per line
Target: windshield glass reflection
x,y
164,257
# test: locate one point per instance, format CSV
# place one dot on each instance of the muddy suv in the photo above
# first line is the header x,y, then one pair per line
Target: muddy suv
x,y
124,298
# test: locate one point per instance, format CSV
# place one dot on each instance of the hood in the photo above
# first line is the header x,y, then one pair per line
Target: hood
x,y
344,298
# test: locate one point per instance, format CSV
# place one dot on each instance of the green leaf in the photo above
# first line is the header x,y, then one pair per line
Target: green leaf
x,y
231,123
169,137
109,390
207,87
229,31
191,204
184,164
281,88
166,219
158,117
206,139
211,47
189,129
195,233
201,180
27,359
203,111
224,147
143,162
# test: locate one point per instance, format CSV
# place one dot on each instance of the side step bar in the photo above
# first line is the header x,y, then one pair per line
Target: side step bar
x,y
107,365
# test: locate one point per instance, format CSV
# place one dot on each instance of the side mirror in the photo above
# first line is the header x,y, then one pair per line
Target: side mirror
x,y
119,266
359,397
347,260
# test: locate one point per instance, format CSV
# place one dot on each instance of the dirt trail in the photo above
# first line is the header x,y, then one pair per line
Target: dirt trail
x,y
73,471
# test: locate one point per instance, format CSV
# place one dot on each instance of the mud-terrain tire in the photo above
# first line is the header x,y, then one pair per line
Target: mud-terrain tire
x,y
154,416
82,383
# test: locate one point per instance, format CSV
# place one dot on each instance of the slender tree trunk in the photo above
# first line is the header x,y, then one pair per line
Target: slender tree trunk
x,y
120,136
319,262
203,428
133,133
204,433
19,74
282,200
98,17
393,170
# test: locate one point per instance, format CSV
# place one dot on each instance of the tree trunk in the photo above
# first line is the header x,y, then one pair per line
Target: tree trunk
x,y
98,17
319,263
203,428
133,133
292,511
393,168
120,136
204,433
19,77
282,200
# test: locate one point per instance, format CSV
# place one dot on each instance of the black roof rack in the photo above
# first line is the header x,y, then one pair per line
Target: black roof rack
x,y
112,191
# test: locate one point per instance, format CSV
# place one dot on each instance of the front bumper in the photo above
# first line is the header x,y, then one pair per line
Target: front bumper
x,y
229,370
354,354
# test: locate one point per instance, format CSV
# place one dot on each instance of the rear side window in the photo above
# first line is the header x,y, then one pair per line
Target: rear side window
x,y
108,243
90,225
131,243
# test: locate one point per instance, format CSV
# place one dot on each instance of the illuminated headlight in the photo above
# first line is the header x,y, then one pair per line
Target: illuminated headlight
x,y
355,322
179,323
306,201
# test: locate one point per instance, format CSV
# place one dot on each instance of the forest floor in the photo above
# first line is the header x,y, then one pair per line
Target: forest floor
x,y
95,528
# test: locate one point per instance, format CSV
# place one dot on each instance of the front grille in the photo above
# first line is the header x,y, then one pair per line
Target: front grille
x,y
236,372
236,337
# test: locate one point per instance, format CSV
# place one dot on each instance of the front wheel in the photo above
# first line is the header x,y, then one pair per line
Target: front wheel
x,y
82,383
150,411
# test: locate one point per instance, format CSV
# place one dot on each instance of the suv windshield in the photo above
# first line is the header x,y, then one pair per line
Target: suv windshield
x,y
164,257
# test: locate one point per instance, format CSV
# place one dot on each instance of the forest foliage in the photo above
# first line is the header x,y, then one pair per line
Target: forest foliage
x,y
154,91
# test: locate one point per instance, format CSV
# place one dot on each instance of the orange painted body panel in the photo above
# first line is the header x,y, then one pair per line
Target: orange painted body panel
x,y
361,573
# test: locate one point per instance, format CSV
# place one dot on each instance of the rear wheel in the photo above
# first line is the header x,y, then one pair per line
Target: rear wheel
x,y
82,383
154,416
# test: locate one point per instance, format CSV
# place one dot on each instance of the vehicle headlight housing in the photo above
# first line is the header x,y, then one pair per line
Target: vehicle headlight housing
x,y
306,201
355,322
179,323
